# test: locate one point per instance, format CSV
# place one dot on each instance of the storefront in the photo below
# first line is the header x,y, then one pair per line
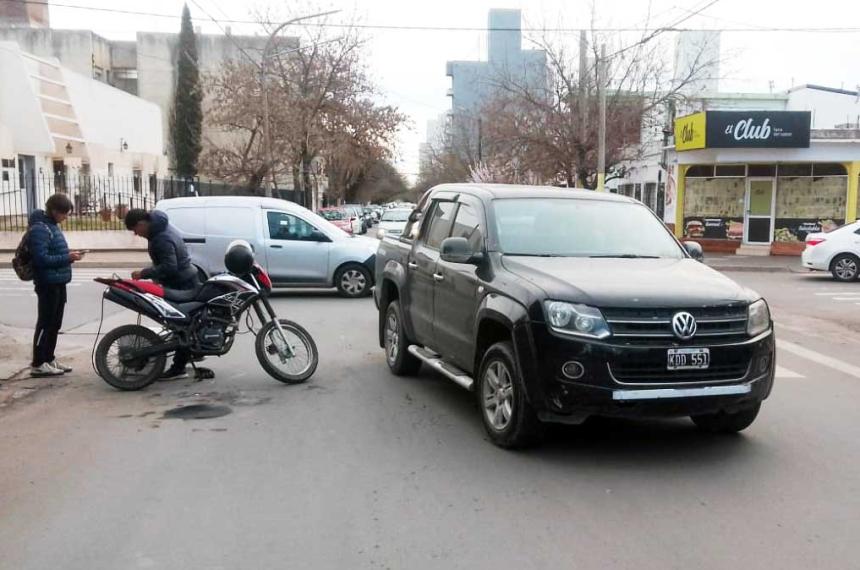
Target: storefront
x,y
760,178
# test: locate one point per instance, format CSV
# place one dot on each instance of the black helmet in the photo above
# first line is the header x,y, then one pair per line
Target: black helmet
x,y
239,259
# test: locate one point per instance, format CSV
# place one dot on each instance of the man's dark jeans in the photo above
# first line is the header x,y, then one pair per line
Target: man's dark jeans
x,y
52,305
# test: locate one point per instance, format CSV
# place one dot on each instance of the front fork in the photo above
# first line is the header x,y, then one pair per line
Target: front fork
x,y
285,350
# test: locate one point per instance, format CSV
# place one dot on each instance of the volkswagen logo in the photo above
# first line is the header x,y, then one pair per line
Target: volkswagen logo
x,y
684,325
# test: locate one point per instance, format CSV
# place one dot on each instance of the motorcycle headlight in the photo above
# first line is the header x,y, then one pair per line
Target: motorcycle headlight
x,y
758,318
580,320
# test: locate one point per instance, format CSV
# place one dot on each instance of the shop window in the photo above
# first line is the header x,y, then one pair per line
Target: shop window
x,y
700,171
733,170
638,192
761,170
828,169
787,170
648,198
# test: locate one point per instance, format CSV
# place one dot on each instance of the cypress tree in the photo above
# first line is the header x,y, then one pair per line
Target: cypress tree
x,y
187,116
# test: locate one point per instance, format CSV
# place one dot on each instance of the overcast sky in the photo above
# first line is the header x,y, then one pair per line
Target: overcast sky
x,y
409,66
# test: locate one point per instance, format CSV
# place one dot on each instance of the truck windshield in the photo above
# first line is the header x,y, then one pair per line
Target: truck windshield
x,y
570,227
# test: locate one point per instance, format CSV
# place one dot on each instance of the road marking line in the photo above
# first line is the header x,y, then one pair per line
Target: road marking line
x,y
781,372
830,294
819,358
846,298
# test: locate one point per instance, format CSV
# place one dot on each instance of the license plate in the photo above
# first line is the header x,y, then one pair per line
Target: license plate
x,y
688,358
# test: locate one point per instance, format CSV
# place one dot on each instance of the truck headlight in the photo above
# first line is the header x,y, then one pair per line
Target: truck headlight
x,y
758,318
580,320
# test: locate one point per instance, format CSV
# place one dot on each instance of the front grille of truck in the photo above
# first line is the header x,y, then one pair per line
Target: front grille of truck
x,y
715,325
650,374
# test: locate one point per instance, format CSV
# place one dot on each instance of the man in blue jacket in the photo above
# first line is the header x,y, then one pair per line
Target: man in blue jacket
x,y
171,265
52,270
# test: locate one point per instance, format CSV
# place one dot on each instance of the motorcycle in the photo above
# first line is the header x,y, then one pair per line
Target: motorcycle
x,y
203,321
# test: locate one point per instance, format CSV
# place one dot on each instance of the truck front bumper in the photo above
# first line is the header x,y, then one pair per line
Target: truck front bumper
x,y
625,380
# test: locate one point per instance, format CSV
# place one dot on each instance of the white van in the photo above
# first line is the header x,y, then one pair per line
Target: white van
x,y
296,247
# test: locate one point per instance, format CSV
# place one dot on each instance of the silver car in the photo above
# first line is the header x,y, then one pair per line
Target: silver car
x,y
296,247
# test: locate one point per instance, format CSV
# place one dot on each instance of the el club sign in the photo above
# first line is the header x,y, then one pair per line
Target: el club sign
x,y
743,129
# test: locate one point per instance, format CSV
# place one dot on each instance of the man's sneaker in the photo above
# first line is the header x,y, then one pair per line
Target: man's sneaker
x,y
60,366
173,374
45,370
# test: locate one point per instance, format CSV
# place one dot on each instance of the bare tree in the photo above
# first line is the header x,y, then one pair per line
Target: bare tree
x,y
322,104
547,131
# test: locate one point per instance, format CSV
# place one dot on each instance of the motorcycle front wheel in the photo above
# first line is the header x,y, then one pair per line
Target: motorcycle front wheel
x,y
292,362
122,373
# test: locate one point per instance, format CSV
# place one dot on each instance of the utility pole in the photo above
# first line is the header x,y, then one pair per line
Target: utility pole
x,y
480,141
601,137
267,138
583,95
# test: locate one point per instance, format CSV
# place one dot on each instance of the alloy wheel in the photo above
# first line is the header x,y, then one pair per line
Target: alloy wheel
x,y
846,268
498,395
392,338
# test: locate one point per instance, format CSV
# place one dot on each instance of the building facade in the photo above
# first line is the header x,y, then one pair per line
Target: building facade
x,y
59,128
475,83
145,67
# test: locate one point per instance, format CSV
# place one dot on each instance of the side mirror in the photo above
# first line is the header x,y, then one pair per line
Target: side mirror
x,y
317,235
458,250
414,216
694,248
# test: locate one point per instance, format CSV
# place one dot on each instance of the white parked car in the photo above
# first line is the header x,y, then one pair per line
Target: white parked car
x,y
295,246
393,222
837,251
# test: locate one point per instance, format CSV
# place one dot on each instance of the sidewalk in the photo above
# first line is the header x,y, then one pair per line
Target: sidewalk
x,y
122,259
754,263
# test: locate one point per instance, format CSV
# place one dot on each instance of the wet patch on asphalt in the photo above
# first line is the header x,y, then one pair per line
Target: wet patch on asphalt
x,y
197,412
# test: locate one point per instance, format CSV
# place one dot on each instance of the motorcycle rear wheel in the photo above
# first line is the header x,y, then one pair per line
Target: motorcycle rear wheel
x,y
129,376
294,369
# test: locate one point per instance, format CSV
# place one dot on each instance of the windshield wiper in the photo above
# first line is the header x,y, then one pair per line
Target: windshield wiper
x,y
625,256
535,254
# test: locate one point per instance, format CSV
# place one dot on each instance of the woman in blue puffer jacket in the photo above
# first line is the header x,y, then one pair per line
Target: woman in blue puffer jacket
x,y
52,270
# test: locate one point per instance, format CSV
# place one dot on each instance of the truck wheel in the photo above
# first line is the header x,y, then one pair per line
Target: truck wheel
x,y
508,417
723,422
845,267
399,360
353,281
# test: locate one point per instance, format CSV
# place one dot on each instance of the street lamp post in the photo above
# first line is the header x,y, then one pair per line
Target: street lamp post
x,y
267,135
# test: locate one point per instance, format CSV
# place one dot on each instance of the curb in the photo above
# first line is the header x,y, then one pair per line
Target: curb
x,y
750,269
94,265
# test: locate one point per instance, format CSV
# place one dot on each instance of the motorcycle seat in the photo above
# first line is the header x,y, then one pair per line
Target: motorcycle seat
x,y
181,295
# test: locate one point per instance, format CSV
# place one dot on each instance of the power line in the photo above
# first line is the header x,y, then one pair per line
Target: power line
x,y
407,28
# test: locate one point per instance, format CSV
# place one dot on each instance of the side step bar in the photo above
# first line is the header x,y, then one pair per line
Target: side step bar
x,y
434,361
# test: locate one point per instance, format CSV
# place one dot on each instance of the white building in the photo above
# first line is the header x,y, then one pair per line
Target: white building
x,y
58,127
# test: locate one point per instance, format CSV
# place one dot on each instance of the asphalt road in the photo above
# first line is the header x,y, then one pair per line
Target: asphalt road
x,y
18,307
360,469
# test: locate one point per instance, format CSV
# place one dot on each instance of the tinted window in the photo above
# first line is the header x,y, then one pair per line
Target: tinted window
x,y
581,228
440,224
468,225
284,226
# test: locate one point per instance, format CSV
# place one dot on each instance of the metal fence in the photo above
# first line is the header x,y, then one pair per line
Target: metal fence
x,y
101,202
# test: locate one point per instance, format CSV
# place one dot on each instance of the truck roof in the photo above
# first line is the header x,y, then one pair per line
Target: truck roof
x,y
501,191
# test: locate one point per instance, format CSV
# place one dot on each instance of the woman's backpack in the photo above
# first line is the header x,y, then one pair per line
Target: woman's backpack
x,y
22,263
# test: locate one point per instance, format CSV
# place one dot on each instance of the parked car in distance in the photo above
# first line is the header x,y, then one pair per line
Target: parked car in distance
x,y
836,251
393,222
338,217
357,213
296,247
555,305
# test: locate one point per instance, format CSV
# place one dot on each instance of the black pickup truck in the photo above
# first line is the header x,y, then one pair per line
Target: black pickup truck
x,y
554,305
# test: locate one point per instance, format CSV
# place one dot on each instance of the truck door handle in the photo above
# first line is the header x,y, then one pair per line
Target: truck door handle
x,y
276,246
438,277
412,265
